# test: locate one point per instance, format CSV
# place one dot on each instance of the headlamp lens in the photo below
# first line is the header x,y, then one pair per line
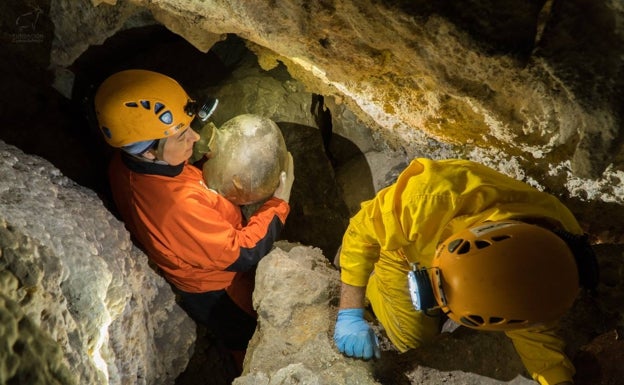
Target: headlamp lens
x,y
203,111
421,292
209,106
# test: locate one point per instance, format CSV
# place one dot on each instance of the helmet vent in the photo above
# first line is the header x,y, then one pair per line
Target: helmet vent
x,y
499,238
464,248
481,244
131,104
453,245
158,107
496,320
145,104
472,320
166,117
107,132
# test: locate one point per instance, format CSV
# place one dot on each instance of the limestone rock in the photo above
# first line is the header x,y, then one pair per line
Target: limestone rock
x,y
294,291
470,78
73,282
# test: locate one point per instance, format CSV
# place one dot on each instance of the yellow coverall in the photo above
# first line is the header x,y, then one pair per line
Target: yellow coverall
x,y
430,201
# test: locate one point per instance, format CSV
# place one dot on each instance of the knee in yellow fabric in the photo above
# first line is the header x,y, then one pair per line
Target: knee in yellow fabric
x,y
405,327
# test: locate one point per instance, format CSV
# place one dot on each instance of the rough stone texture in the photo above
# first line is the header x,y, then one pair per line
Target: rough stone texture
x,y
293,339
28,354
296,297
81,304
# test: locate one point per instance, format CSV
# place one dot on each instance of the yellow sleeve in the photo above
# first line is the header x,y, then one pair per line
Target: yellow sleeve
x,y
399,216
360,248
541,351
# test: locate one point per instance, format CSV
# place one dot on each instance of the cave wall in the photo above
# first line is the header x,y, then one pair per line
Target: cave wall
x,y
81,305
409,69
529,89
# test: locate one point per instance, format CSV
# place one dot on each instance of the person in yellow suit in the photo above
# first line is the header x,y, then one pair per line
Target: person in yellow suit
x,y
456,239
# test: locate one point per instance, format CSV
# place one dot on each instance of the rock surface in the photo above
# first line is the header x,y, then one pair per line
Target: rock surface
x,y
296,297
471,79
81,303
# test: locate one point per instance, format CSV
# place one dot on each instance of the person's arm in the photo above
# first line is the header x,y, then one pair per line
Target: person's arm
x,y
208,240
351,296
257,237
382,222
353,335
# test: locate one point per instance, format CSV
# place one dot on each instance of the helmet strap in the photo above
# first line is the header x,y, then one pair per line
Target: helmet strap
x,y
138,148
153,154
159,148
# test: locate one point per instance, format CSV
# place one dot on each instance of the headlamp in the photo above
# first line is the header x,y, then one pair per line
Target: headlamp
x,y
420,289
202,111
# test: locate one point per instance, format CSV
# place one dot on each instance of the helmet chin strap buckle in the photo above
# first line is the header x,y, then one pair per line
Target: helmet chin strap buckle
x,y
420,288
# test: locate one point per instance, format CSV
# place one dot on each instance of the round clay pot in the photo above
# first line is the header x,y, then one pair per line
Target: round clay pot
x,y
248,153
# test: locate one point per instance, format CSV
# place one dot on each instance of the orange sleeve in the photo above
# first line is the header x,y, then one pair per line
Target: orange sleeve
x,y
203,237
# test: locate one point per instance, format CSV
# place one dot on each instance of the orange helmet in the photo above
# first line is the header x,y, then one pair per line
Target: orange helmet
x,y
135,106
504,275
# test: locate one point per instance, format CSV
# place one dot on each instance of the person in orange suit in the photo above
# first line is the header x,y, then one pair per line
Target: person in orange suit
x,y
199,240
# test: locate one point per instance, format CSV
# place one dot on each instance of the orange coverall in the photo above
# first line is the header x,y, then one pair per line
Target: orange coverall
x,y
195,236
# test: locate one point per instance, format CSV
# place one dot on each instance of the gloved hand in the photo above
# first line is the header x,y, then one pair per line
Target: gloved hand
x,y
287,177
353,335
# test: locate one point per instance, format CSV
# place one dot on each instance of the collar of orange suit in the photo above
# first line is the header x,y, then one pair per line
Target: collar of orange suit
x,y
140,167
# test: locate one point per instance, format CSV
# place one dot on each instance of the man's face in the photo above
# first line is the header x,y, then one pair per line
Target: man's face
x,y
179,147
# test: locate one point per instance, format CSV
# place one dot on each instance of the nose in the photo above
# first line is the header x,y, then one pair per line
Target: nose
x,y
193,136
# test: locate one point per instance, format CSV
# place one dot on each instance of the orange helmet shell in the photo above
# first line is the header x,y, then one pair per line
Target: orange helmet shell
x,y
504,275
139,105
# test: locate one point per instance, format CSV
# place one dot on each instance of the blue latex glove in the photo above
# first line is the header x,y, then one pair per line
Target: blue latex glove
x,y
354,337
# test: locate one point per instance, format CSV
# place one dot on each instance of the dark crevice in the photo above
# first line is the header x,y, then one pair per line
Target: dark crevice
x,y
323,118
